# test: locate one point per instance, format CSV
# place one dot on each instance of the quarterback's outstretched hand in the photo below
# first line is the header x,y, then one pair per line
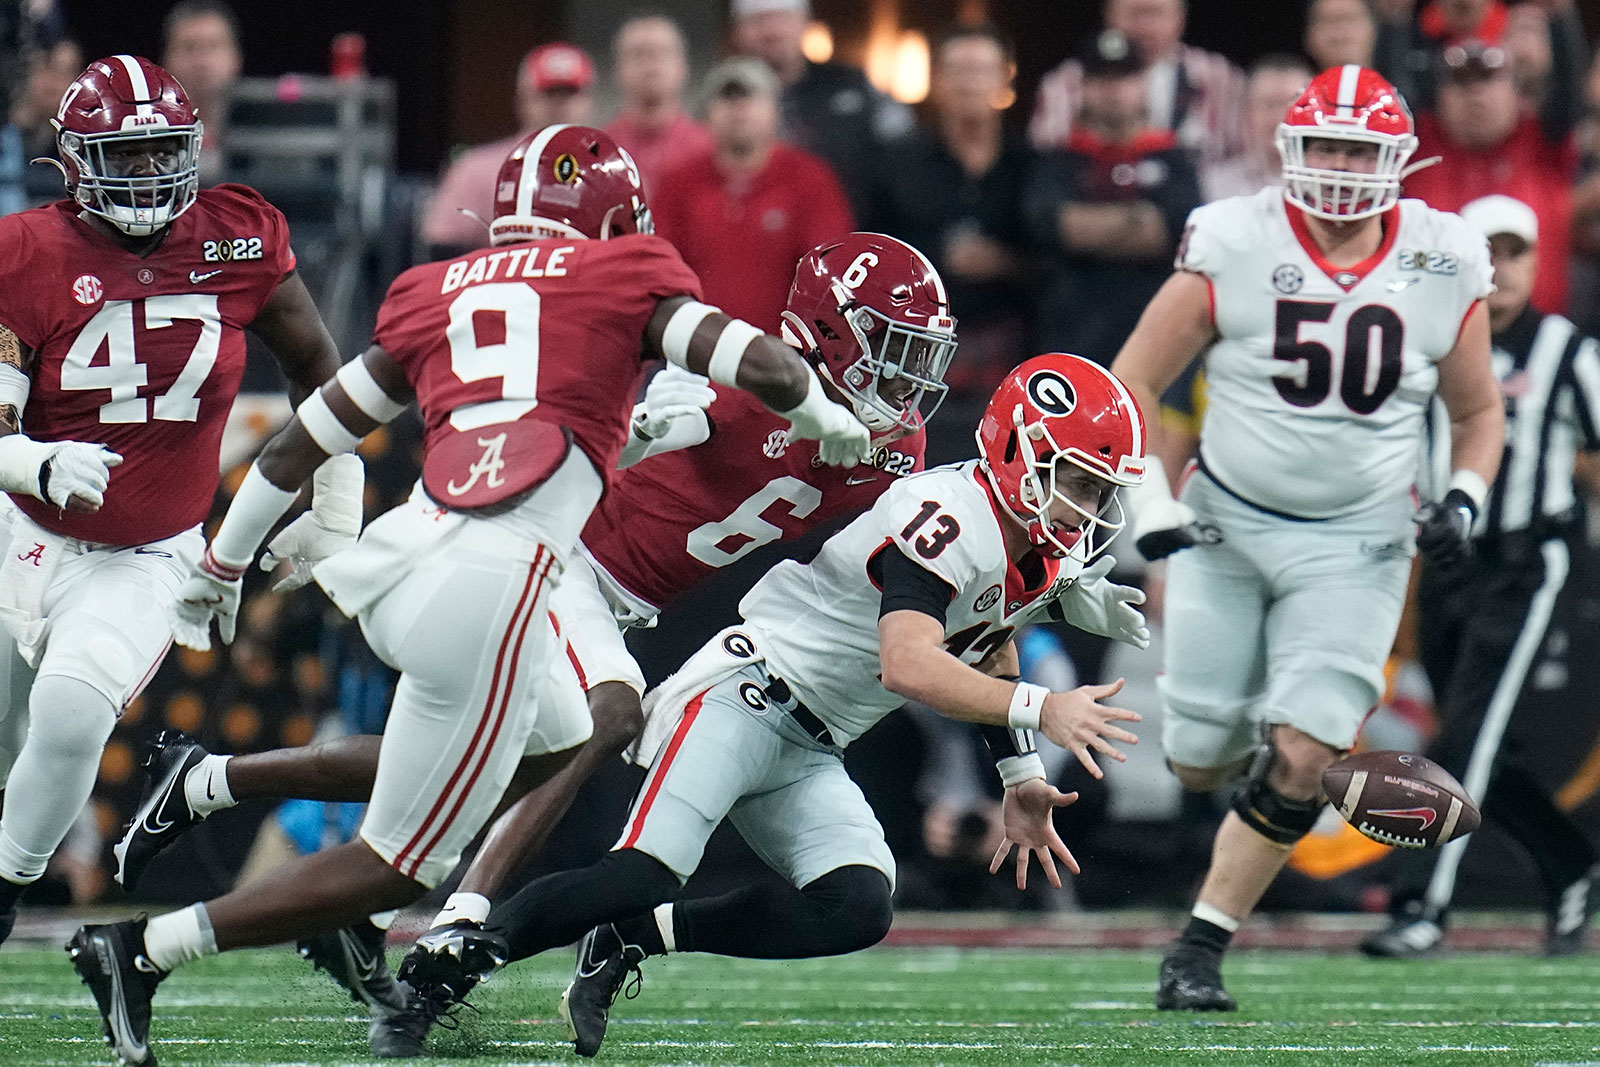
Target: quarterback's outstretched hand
x,y
1076,720
1444,529
212,592
1026,813
672,393
1101,606
842,440
332,525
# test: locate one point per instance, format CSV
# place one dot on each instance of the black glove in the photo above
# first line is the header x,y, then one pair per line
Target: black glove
x,y
1444,529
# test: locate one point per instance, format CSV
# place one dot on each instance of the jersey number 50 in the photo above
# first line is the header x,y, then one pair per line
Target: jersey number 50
x,y
1361,391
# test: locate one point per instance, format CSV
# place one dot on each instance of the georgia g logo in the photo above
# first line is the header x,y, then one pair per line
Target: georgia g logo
x,y
1051,393
738,644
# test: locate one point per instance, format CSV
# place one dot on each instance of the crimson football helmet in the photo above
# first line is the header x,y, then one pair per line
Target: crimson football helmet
x,y
120,110
872,313
1347,103
568,181
1055,409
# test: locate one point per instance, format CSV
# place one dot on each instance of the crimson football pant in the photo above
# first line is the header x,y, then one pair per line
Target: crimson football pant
x,y
845,910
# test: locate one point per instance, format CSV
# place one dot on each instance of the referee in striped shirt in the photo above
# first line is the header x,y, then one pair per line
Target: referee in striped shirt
x,y
1482,618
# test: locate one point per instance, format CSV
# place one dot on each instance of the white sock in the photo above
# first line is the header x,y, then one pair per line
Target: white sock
x,y
384,919
206,786
1215,916
663,914
17,865
471,907
179,937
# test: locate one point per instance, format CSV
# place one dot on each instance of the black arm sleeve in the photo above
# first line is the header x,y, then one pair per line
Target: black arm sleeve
x,y
906,586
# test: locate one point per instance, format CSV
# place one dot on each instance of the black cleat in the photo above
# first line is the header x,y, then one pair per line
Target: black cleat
x,y
443,966
1413,933
110,960
604,965
163,813
353,957
1192,981
1567,920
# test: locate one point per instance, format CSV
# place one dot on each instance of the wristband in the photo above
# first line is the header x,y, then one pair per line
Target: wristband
x,y
1027,700
256,508
1472,484
1015,770
218,570
729,352
366,394
680,329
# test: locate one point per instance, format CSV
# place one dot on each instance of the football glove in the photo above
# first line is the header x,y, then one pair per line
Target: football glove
x,y
672,393
1100,606
841,438
1444,529
211,592
56,471
1162,525
331,526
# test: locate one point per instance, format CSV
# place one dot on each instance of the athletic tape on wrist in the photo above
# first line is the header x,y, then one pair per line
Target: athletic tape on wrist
x,y
365,392
680,329
256,508
729,352
331,435
1027,700
1471,483
1014,770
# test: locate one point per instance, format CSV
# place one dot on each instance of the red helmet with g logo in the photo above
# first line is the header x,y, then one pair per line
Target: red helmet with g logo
x,y
1055,409
121,103
1347,103
872,311
568,181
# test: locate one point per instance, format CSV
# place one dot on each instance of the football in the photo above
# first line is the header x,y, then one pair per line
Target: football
x,y
1400,799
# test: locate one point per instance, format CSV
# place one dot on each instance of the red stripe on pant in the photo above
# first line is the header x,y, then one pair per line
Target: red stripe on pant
x,y
494,733
488,707
690,710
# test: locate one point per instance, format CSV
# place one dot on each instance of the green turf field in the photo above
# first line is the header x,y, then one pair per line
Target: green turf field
x,y
889,1006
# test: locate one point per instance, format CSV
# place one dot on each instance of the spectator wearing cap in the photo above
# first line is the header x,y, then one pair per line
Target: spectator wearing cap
x,y
745,210
1110,206
954,189
829,109
1198,95
200,47
1340,32
1489,141
553,86
1276,81
652,68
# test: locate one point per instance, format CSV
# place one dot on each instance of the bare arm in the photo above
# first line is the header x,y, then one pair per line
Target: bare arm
x,y
293,455
770,369
1471,395
916,666
293,328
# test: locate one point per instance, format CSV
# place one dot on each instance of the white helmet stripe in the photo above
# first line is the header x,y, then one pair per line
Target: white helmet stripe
x,y
1127,400
530,169
1346,100
141,87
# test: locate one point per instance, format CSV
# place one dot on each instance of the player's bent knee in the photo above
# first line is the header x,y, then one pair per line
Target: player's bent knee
x,y
67,714
618,716
1280,819
855,908
1297,769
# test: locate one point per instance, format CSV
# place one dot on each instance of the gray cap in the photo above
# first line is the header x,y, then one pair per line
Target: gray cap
x,y
741,75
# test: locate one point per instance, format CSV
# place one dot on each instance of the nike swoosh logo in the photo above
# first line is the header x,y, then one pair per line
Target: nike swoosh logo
x,y
121,1025
1425,815
209,778
585,968
142,551
366,964
1402,283
153,823
198,278
857,480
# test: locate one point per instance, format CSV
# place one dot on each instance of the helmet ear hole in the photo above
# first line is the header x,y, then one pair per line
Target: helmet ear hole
x,y
1011,447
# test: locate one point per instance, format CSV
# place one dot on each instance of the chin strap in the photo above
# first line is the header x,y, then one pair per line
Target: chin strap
x,y
1420,165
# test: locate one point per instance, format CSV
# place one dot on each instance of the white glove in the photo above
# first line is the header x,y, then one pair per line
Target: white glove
x,y
211,592
1100,606
331,526
56,471
1162,525
671,394
841,437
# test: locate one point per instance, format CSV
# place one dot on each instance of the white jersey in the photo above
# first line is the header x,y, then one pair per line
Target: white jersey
x,y
817,623
1319,381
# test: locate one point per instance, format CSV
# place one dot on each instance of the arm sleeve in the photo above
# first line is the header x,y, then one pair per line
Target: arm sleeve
x,y
906,586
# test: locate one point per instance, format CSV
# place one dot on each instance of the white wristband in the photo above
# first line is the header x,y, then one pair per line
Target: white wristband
x,y
1027,700
256,508
365,392
14,387
1471,483
680,330
331,435
1014,770
729,352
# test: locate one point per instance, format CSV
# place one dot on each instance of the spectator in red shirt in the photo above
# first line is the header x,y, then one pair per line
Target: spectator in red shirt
x,y
1491,142
652,68
744,211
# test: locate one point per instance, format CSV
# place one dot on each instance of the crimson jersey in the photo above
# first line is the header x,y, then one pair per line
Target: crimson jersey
x,y
550,330
140,353
674,518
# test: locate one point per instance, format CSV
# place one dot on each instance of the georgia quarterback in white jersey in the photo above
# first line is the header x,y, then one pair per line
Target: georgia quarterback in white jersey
x,y
1330,312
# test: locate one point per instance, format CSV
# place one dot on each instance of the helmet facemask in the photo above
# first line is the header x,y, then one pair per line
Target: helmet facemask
x,y
1337,195
138,205
1037,491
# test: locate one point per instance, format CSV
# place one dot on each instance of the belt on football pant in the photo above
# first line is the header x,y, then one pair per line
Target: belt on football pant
x,y
778,692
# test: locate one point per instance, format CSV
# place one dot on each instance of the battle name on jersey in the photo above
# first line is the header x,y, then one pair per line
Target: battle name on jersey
x,y
230,249
537,262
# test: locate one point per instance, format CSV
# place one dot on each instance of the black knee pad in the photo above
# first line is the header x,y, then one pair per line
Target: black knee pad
x,y
855,905
1270,813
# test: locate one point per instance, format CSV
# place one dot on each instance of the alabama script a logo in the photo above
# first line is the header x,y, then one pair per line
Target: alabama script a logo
x,y
488,467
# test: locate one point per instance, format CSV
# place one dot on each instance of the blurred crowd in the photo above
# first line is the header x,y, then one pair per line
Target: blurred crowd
x,y
1052,211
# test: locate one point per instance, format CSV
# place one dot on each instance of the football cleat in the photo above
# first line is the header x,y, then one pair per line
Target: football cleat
x,y
1192,981
1566,922
110,960
605,963
163,813
443,966
1416,931
353,957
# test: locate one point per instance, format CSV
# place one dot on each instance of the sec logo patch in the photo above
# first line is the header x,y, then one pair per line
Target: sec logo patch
x,y
987,599
87,289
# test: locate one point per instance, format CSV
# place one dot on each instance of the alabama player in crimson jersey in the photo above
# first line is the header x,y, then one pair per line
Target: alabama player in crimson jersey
x,y
521,358
915,600
1330,312
122,311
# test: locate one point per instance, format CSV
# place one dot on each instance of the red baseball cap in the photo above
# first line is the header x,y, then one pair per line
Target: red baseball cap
x,y
558,65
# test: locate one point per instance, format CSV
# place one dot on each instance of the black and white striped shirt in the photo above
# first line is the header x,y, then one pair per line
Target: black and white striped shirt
x,y
1550,377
